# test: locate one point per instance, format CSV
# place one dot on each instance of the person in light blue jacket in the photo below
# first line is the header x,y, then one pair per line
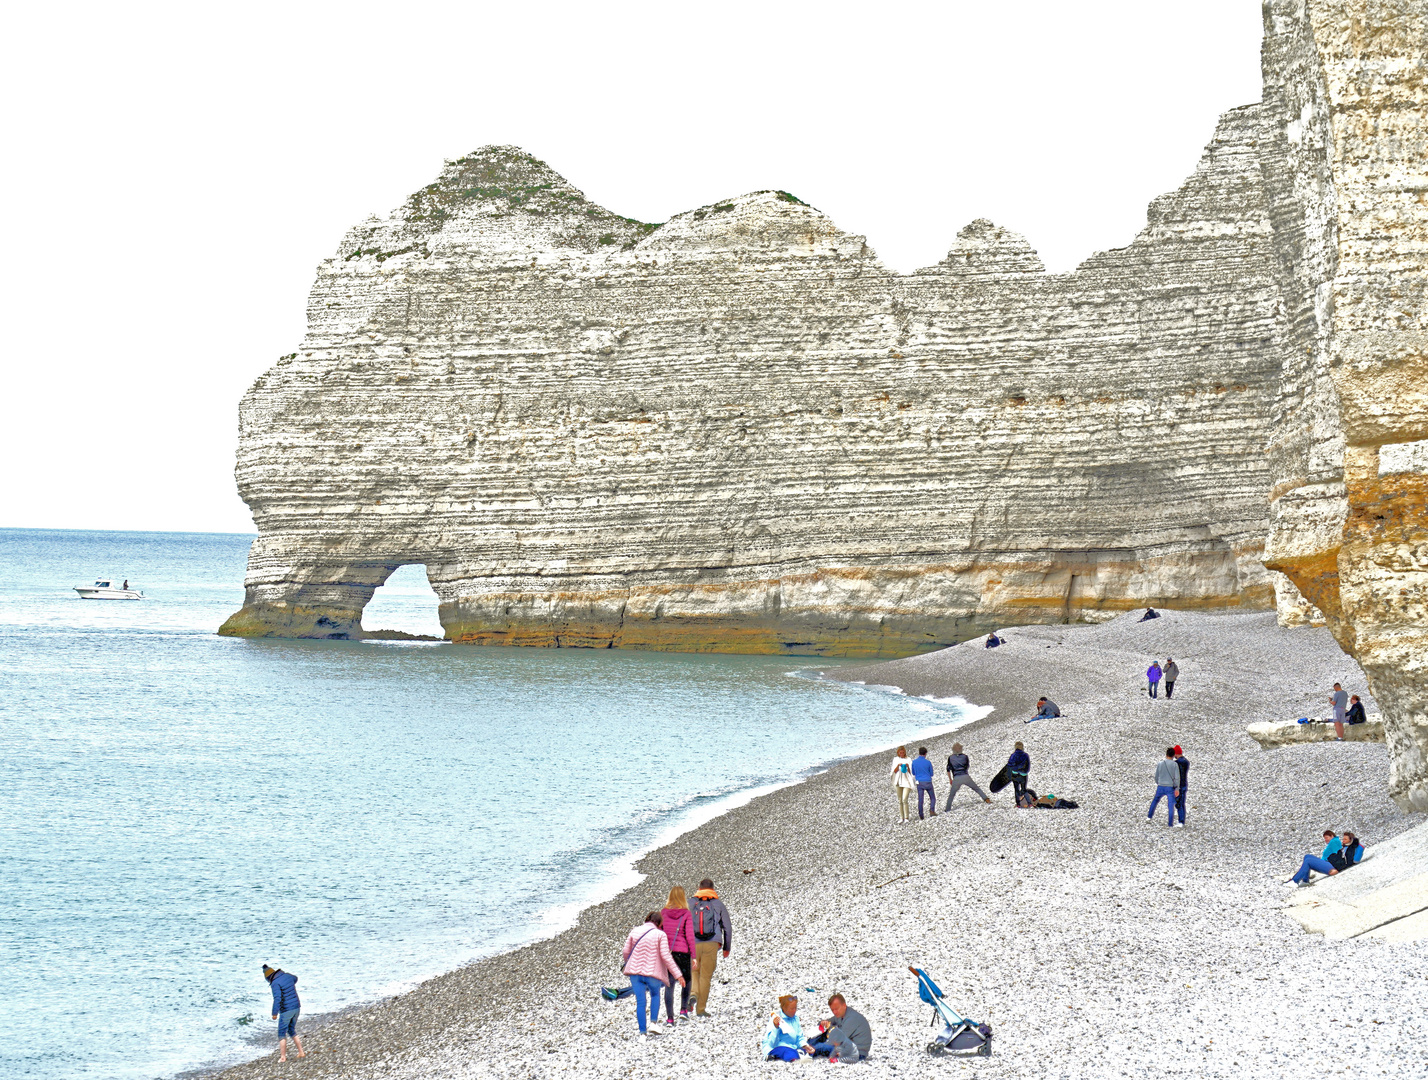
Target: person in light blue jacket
x,y
286,1007
784,1038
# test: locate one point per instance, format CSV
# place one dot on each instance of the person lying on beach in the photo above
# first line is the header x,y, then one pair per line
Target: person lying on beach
x,y
1167,785
783,1040
1018,769
1046,709
957,775
845,1036
1150,613
992,641
1356,712
1338,854
649,965
286,1007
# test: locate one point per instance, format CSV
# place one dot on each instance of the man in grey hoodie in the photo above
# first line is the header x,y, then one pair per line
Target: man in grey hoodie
x,y
1167,786
1170,673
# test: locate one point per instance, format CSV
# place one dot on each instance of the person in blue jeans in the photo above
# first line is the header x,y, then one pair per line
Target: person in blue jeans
x,y
286,1007
1153,674
1339,853
922,772
1167,785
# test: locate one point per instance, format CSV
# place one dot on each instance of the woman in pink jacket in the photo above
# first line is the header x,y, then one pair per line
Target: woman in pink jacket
x,y
678,925
650,966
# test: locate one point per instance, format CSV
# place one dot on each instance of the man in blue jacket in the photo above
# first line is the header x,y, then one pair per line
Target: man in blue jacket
x,y
285,1008
922,772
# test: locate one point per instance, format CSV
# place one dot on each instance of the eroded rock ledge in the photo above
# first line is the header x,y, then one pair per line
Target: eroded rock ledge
x,y
739,431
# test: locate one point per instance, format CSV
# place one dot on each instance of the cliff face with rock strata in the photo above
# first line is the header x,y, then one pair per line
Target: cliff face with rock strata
x,y
740,431
1348,191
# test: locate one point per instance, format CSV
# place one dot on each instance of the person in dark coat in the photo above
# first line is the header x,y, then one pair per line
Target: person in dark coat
x,y
1184,763
1356,712
286,1007
1018,769
1150,613
993,641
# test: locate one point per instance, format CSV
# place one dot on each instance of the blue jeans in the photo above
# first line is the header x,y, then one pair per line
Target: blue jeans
x,y
1168,794
646,986
924,787
287,1024
1179,799
1311,862
1154,686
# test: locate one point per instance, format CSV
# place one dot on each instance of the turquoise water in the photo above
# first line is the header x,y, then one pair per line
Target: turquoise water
x,y
177,808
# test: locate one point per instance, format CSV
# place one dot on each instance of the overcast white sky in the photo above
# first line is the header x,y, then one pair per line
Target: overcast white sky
x,y
174,173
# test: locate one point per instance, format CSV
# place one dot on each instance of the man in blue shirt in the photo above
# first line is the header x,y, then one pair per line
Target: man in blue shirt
x,y
922,773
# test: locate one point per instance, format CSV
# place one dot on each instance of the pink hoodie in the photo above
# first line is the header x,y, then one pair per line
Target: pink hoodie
x,y
678,926
647,953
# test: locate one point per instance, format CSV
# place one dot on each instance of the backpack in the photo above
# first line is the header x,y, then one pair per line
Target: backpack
x,y
706,922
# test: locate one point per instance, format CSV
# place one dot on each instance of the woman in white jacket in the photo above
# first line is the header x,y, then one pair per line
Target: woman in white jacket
x,y
903,783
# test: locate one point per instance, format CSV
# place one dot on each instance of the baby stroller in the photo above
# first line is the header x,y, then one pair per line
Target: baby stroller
x,y
958,1033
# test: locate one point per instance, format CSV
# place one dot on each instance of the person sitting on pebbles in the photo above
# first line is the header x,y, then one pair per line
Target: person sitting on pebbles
x,y
783,1041
1046,709
1340,853
992,640
845,1036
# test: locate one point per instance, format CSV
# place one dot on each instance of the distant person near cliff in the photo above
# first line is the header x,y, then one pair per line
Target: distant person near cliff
x,y
1167,784
1183,764
1153,674
286,1007
922,772
1046,709
1171,672
677,925
903,784
1339,699
1356,712
958,775
1340,853
993,641
1150,613
712,931
649,965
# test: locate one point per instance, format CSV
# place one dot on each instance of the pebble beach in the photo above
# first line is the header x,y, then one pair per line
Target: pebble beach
x,y
1094,942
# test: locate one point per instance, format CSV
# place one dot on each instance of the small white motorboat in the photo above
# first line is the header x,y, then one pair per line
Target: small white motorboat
x,y
105,589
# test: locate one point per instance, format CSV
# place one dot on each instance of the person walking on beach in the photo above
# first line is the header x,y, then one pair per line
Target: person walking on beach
x,y
649,965
286,1007
1167,782
959,777
922,772
1018,769
712,931
1153,673
1171,672
902,784
1183,764
1339,699
678,926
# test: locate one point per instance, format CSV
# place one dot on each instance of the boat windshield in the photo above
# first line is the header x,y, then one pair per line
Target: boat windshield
x,y
101,584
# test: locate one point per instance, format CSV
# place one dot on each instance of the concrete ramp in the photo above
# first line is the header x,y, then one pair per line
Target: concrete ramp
x,y
1385,896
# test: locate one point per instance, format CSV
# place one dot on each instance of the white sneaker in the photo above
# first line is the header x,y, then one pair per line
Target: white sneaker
x,y
653,1033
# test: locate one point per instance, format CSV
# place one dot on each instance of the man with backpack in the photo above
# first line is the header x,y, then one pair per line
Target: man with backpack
x,y
713,932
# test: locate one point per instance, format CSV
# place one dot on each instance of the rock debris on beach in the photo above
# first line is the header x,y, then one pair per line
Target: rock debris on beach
x,y
1095,943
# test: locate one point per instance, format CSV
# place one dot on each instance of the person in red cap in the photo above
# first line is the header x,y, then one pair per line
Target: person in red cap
x,y
1184,763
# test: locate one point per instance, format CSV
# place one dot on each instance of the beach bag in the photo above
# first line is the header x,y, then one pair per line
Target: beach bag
x,y
706,923
611,994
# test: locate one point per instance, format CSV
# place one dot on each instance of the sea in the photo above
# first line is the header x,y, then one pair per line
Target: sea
x,y
179,808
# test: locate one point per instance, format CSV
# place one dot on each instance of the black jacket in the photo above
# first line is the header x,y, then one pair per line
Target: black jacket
x,y
1346,857
1184,764
1356,713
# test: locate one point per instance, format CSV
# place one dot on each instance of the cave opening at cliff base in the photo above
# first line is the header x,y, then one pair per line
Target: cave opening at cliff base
x,y
404,603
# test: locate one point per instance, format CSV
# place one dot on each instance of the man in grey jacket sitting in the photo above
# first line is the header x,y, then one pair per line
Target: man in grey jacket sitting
x,y
846,1036
1167,786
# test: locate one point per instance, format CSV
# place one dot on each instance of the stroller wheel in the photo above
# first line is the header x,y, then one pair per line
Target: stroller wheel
x,y
936,1048
985,1049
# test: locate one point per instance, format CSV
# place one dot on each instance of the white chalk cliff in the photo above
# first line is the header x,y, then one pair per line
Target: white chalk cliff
x,y
739,431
